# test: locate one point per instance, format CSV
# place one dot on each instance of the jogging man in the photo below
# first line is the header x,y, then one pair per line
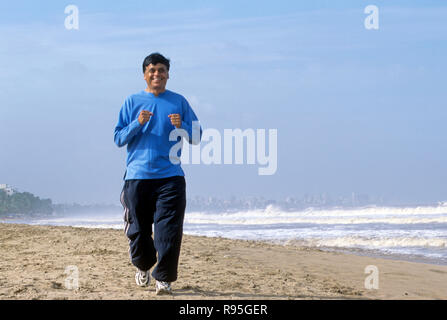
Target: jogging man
x,y
154,186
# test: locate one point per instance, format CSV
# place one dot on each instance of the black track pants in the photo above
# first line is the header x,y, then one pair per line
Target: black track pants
x,y
160,202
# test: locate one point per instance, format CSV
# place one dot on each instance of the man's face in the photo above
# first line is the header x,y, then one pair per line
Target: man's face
x,y
156,76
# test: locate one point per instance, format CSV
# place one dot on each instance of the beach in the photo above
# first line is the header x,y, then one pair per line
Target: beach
x,y
55,262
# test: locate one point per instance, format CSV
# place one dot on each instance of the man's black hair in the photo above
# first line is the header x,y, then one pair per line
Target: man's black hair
x,y
155,58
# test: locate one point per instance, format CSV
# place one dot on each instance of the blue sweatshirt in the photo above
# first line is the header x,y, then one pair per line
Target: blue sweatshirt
x,y
148,145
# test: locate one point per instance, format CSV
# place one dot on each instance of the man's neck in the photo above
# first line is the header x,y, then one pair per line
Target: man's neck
x,y
155,92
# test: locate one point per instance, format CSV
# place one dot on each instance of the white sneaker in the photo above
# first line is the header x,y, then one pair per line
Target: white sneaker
x,y
142,278
162,287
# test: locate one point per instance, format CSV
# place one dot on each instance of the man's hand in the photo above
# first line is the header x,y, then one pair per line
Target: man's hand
x,y
144,116
175,119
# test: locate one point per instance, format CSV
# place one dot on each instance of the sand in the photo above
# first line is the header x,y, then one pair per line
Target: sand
x,y
40,262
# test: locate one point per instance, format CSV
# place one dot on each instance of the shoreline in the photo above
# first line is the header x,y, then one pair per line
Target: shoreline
x,y
388,256
371,253
35,261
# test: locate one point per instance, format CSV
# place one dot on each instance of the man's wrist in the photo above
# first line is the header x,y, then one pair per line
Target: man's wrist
x,y
135,125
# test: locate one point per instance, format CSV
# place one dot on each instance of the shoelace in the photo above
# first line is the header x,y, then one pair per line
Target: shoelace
x,y
164,284
142,275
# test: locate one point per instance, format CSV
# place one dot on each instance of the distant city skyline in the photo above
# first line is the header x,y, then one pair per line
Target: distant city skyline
x,y
359,105
290,201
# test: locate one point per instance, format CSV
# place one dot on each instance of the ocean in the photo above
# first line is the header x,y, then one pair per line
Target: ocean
x,y
407,233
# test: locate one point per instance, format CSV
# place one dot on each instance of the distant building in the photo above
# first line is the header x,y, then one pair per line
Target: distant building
x,y
8,189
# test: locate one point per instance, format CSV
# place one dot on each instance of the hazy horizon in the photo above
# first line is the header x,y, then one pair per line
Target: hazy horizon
x,y
355,110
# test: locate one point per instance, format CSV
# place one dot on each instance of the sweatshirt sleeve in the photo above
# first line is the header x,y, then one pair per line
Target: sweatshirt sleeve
x,y
190,123
126,129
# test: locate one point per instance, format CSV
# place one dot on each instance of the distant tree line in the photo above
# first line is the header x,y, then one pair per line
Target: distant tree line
x,y
24,203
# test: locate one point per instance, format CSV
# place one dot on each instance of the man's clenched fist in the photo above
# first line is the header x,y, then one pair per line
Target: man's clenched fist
x,y
175,119
144,116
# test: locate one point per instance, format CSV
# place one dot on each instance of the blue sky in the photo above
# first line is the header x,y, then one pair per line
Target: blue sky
x,y
356,110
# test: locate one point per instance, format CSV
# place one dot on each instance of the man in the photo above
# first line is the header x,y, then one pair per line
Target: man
x,y
154,187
